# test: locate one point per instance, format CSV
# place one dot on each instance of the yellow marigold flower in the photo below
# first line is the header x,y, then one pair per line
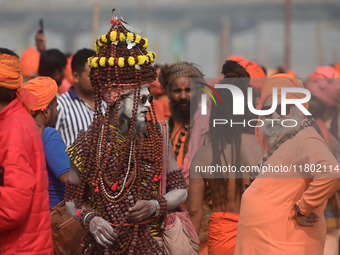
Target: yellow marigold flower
x,y
96,47
151,55
89,60
146,44
111,61
94,62
138,38
146,59
131,61
99,43
129,36
140,60
104,39
122,37
113,36
121,62
102,61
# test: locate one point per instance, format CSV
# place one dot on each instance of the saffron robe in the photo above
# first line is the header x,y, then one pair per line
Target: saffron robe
x,y
267,222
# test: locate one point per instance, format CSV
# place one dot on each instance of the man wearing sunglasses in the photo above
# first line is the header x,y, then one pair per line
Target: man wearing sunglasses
x,y
120,165
282,210
125,110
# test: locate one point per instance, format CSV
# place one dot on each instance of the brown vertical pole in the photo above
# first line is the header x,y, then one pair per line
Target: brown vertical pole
x,y
266,57
95,22
319,45
335,56
224,47
287,33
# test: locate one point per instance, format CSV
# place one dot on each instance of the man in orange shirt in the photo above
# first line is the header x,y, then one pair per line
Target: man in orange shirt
x,y
282,211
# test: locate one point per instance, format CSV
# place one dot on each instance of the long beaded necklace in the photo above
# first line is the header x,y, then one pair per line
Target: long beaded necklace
x,y
114,186
304,125
179,141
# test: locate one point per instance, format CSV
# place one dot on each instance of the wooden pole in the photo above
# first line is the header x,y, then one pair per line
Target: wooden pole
x,y
266,61
224,47
319,45
287,33
95,22
335,56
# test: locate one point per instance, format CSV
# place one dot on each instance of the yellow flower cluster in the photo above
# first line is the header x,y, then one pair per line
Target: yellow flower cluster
x,y
103,61
122,38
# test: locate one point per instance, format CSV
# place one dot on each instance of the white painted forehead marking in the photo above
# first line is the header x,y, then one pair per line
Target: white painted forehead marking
x,y
145,91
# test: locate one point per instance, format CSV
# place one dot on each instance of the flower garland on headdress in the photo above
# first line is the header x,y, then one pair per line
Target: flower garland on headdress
x,y
116,170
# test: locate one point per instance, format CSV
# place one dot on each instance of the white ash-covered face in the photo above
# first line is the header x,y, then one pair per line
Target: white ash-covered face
x,y
126,105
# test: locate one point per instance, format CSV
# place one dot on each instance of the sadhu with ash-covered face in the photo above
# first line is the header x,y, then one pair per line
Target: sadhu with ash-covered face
x,y
117,165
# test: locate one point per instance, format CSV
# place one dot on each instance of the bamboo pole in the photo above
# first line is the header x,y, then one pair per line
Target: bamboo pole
x,y
224,46
95,21
287,33
266,57
319,45
335,56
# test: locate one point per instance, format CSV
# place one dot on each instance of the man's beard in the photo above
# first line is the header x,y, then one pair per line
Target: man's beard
x,y
182,113
125,123
273,131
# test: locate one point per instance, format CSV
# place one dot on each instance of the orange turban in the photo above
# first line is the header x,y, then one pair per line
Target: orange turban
x,y
241,60
10,75
156,88
324,84
68,70
255,71
282,80
30,62
337,67
44,88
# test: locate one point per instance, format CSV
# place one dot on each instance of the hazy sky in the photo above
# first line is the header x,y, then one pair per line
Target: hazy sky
x,y
181,30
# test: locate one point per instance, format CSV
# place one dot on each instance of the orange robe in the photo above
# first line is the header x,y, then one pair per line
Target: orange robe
x,y
222,233
174,139
162,108
267,222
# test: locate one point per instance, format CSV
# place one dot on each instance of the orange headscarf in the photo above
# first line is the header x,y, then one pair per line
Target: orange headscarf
x,y
255,71
241,60
30,62
156,88
282,80
10,75
324,84
44,88
68,70
337,67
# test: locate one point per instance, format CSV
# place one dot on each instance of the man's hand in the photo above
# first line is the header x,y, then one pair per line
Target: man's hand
x,y
307,220
102,231
143,209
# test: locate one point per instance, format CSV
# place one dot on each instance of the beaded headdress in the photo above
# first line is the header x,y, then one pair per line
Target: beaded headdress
x,y
122,62
122,65
119,167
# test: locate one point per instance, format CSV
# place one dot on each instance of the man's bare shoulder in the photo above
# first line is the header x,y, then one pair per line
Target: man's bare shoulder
x,y
203,154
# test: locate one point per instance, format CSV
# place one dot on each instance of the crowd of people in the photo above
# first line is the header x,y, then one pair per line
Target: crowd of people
x,y
114,140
